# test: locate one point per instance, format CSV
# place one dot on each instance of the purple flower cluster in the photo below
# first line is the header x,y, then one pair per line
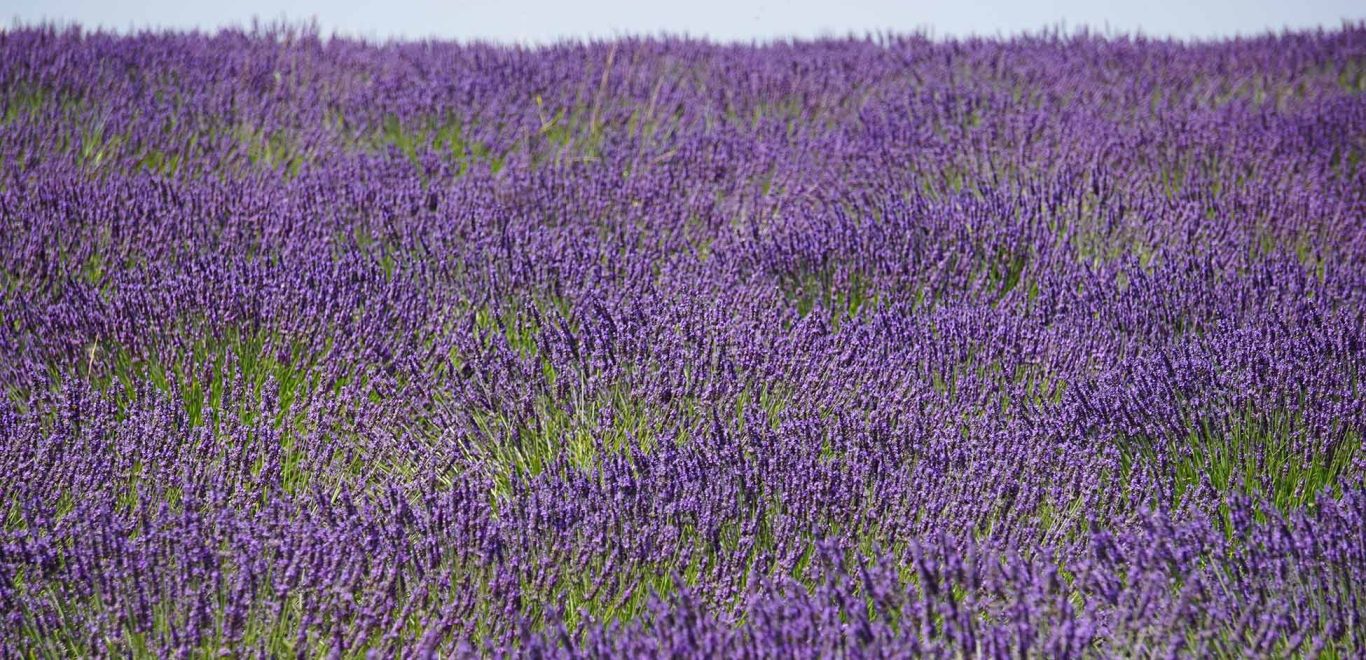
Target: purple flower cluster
x,y
1047,346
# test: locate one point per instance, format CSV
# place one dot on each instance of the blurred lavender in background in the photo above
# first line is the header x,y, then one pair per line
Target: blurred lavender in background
x,y
537,21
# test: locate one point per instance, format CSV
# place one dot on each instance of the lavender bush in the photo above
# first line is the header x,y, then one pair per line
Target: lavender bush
x,y
1048,346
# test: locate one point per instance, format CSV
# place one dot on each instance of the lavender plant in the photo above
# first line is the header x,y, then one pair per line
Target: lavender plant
x,y
1043,346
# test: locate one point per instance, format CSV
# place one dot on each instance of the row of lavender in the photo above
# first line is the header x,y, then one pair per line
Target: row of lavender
x,y
1046,346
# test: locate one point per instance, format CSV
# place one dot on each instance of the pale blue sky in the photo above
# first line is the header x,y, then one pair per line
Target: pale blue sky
x,y
540,21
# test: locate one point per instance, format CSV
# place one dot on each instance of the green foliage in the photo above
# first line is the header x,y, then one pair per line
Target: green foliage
x,y
841,294
443,135
275,150
1265,454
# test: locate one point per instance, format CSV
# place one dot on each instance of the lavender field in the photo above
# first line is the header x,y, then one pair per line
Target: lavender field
x,y
1049,346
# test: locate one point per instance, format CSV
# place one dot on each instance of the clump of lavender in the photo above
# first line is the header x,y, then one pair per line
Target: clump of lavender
x,y
1049,346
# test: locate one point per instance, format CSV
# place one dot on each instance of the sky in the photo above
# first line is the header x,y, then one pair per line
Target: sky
x,y
530,22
